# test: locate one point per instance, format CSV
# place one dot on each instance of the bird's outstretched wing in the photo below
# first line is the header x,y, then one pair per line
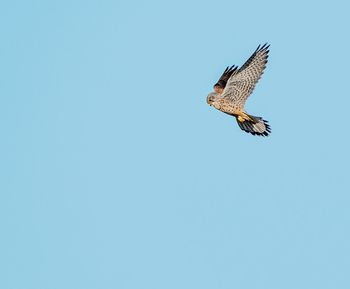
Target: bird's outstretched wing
x,y
242,82
225,76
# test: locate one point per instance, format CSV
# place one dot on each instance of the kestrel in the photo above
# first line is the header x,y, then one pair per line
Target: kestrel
x,y
234,87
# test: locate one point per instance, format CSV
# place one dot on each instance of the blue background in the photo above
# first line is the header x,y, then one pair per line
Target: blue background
x,y
115,173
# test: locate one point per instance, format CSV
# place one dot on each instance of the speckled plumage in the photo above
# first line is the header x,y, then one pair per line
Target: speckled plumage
x,y
237,85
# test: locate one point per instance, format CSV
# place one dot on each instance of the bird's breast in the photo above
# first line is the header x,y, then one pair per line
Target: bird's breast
x,y
228,108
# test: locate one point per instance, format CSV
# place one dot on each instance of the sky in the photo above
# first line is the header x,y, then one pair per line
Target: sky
x,y
115,173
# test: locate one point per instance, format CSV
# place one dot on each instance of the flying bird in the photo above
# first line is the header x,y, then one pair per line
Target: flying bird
x,y
234,87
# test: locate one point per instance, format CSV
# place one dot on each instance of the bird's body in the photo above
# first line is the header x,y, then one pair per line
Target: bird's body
x,y
234,87
226,106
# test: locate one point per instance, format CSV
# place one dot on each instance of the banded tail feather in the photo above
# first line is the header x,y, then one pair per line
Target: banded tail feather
x,y
256,126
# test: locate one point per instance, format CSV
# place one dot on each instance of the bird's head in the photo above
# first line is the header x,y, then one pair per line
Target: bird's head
x,y
211,98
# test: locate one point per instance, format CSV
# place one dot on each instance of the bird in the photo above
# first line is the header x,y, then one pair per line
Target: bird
x,y
234,87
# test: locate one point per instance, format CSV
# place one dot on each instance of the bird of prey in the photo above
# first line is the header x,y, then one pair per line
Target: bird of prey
x,y
234,87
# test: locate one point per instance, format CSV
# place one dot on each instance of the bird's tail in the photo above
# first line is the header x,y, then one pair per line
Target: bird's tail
x,y
255,125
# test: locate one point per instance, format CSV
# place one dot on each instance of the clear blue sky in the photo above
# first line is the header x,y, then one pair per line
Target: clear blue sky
x,y
115,173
